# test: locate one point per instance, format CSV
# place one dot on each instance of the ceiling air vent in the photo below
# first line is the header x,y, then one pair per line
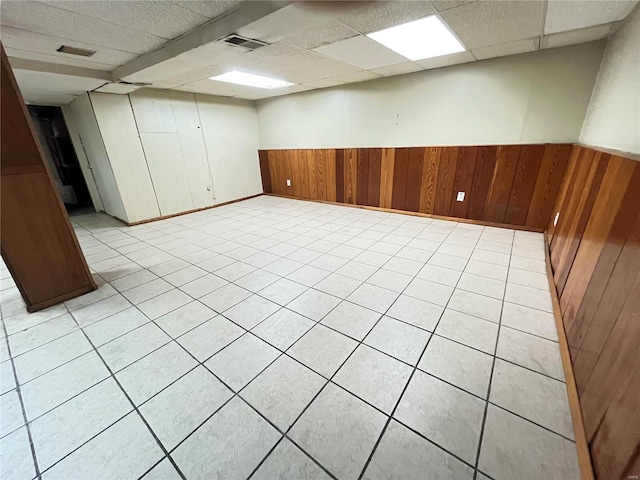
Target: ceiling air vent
x,y
75,51
240,41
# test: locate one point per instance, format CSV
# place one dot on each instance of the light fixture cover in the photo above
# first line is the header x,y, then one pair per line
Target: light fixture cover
x,y
425,38
251,80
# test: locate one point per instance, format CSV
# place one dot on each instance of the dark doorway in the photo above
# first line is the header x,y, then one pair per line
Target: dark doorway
x,y
63,162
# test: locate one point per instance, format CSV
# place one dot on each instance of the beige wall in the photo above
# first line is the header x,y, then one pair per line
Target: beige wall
x,y
613,118
532,98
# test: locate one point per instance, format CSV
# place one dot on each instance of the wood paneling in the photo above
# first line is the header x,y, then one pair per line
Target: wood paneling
x,y
38,244
512,184
595,255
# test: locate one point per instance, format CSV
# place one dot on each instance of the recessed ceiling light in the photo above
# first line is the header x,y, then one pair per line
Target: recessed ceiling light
x,y
242,78
425,38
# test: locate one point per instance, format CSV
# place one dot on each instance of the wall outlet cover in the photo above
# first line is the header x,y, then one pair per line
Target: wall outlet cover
x,y
460,197
288,182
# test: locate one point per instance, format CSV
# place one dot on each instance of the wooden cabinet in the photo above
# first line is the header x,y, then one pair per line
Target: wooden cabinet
x,y
38,243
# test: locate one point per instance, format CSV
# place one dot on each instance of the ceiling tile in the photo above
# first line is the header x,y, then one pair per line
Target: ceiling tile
x,y
302,68
373,16
72,60
34,98
397,69
44,82
294,18
208,8
511,48
578,36
118,88
321,35
47,44
276,92
274,52
565,15
325,82
162,19
359,77
212,87
480,24
442,5
446,60
362,52
42,18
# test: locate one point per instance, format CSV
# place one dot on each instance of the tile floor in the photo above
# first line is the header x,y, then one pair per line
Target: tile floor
x,y
276,338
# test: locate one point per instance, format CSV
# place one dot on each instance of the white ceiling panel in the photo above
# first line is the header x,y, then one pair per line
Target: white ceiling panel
x,y
41,18
362,52
578,36
290,20
119,88
484,23
276,92
302,68
72,60
321,35
274,52
398,69
212,87
325,82
446,60
34,98
47,44
442,5
511,48
358,77
33,83
565,15
159,18
372,16
208,8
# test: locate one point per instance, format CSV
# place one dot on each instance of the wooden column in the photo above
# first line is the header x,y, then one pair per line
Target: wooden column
x,y
38,243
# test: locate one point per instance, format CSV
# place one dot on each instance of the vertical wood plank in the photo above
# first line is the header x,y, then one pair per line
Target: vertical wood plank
x,y
485,166
340,175
524,182
350,174
330,174
321,174
446,177
310,158
463,179
375,165
550,174
400,172
500,189
265,172
362,177
414,179
386,176
429,179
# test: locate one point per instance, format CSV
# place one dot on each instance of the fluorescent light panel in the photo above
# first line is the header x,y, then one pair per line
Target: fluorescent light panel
x,y
251,80
425,38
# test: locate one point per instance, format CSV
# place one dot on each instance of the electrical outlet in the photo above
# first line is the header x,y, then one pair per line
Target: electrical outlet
x,y
460,197
555,220
288,182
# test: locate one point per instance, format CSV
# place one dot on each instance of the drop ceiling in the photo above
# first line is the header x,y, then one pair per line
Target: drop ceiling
x,y
313,44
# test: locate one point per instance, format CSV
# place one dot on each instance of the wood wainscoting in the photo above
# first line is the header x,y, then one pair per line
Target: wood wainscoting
x,y
595,255
507,184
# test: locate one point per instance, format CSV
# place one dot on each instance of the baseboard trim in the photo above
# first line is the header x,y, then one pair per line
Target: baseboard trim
x,y
164,217
582,446
416,214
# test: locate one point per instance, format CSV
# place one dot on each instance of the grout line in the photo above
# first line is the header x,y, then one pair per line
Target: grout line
x,y
415,368
384,234
22,408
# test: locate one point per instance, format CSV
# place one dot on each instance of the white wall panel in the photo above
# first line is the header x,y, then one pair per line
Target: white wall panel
x,y
231,137
90,149
124,149
534,97
613,118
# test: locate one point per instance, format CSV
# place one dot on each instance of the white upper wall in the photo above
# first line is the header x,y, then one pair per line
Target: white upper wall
x,y
613,118
532,98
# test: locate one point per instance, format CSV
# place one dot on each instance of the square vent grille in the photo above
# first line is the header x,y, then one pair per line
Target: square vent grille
x,y
240,41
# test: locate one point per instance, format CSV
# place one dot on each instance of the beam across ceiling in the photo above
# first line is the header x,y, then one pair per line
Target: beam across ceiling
x,y
217,28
